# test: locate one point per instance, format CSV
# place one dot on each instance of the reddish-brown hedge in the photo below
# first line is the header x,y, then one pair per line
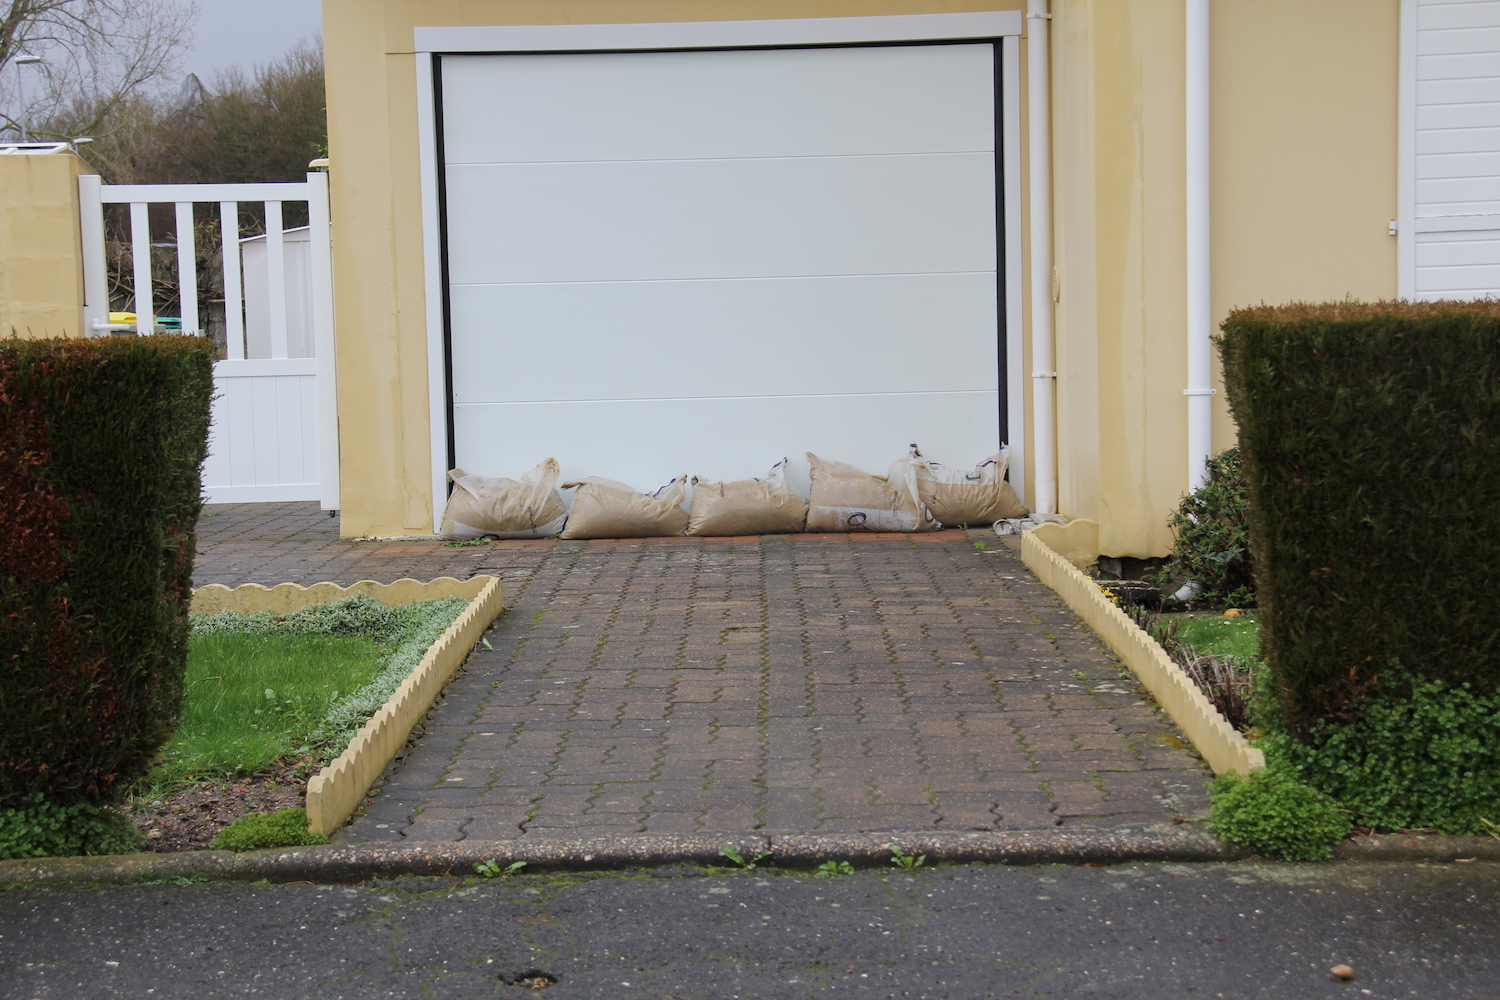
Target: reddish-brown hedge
x,y
101,446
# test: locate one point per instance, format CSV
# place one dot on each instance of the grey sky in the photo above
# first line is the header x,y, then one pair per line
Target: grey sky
x,y
247,32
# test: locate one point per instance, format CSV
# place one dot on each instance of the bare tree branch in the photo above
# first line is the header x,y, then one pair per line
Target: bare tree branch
x,y
96,55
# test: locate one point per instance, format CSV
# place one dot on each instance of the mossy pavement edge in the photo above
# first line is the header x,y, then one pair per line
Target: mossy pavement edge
x,y
337,863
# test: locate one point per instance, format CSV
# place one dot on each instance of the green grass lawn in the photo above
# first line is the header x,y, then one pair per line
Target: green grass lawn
x,y
1219,636
252,698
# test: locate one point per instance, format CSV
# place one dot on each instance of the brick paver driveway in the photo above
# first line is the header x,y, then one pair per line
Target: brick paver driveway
x,y
785,684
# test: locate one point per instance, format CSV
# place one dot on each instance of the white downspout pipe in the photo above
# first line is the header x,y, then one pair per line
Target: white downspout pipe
x,y
1039,147
1200,389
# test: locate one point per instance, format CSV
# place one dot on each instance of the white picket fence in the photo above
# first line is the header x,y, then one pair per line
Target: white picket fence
x,y
275,420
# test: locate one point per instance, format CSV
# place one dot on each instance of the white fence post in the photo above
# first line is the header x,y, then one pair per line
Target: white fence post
x,y
276,278
234,311
320,255
187,269
140,250
95,271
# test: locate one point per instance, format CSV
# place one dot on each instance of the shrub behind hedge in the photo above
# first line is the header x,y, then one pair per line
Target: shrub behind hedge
x,y
1371,437
101,447
1212,545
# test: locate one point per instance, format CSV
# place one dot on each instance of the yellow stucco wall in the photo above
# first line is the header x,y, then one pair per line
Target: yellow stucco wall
x,y
1308,185
1304,108
41,256
1304,150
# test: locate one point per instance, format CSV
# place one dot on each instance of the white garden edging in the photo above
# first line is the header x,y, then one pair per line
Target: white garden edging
x,y
1052,551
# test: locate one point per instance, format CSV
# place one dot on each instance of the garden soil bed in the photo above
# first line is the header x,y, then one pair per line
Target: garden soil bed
x,y
191,816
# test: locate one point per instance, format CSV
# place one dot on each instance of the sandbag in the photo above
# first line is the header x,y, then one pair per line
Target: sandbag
x,y
604,508
483,507
974,498
847,499
747,506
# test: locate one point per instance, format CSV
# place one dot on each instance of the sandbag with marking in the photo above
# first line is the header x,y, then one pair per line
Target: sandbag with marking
x,y
959,497
848,499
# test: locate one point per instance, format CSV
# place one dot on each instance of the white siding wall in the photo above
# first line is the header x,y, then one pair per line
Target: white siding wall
x,y
1451,144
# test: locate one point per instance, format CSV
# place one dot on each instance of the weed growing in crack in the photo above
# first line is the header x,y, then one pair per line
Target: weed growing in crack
x,y
904,861
492,868
833,869
748,864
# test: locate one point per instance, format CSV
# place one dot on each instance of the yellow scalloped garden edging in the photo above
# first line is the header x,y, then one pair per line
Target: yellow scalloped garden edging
x,y
1054,552
336,791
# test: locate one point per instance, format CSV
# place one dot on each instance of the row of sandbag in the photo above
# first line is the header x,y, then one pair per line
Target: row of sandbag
x,y
916,494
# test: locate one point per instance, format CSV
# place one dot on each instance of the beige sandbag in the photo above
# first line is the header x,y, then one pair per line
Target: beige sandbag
x,y
974,498
603,508
747,506
847,499
497,507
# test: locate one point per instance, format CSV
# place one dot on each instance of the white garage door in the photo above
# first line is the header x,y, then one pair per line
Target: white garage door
x,y
700,262
1451,173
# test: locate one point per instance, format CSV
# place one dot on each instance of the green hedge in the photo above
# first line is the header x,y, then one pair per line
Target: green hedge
x,y
1371,438
101,447
1370,435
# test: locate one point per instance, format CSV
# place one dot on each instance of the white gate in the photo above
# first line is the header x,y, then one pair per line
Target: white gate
x,y
274,435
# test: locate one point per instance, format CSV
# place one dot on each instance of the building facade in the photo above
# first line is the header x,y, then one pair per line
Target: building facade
x,y
651,237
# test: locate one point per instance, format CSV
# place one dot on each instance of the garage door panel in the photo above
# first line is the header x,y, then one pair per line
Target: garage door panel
x,y
1469,91
646,443
1477,37
718,104
1475,279
1480,139
856,334
703,262
1465,166
1480,14
1462,116
721,218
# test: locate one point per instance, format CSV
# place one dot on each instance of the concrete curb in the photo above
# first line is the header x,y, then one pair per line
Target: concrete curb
x,y
334,864
337,863
1417,847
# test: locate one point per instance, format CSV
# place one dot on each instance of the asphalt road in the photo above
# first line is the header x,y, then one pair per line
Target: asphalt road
x,y
1244,930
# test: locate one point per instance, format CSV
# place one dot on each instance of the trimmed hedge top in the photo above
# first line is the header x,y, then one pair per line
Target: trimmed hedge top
x,y
1371,438
1351,311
